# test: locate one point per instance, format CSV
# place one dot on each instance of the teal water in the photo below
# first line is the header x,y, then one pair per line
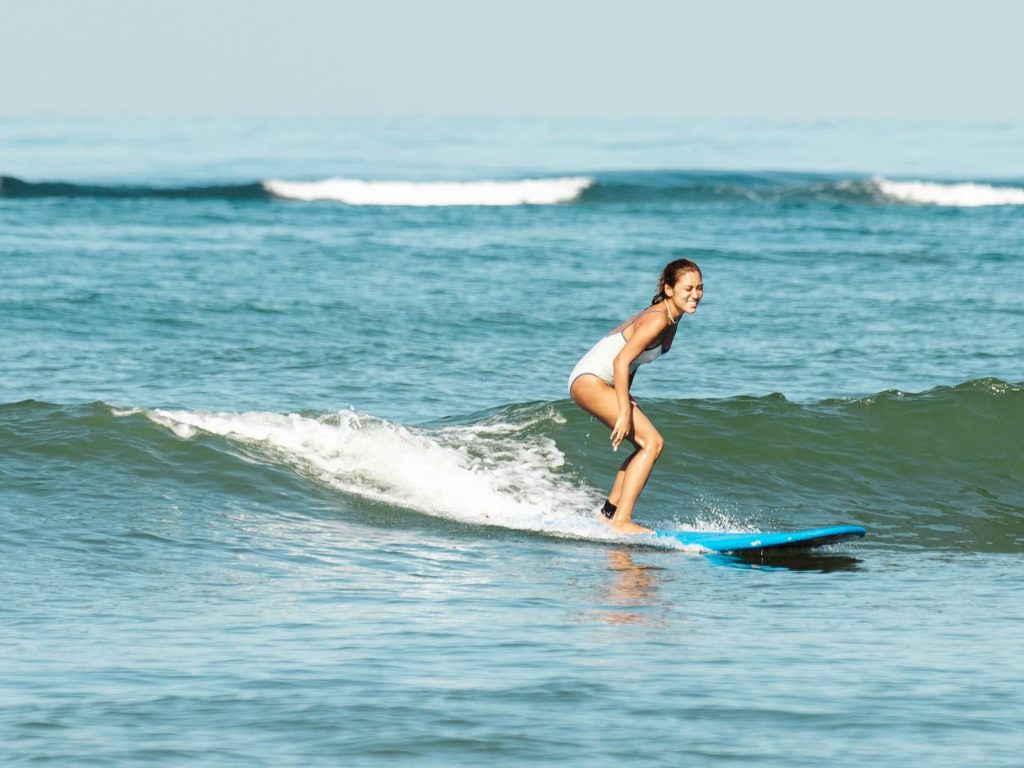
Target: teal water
x,y
290,481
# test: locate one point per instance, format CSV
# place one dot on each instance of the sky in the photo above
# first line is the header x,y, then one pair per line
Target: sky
x,y
775,59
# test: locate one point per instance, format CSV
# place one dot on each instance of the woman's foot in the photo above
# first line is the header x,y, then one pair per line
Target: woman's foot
x,y
628,527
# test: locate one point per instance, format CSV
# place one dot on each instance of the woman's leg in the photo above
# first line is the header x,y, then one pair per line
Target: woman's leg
x,y
597,398
616,492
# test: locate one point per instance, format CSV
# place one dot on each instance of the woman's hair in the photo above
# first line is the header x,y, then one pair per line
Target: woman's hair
x,y
671,273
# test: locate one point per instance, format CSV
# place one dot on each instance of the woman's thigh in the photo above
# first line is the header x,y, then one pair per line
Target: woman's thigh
x,y
598,399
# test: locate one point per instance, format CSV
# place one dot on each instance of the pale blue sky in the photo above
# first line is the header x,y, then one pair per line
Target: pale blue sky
x,y
799,59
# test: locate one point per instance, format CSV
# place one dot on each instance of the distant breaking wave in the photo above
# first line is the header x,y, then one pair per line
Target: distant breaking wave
x,y
438,193
962,195
349,191
633,187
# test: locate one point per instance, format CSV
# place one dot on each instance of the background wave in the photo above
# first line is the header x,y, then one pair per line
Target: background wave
x,y
961,195
801,188
411,193
594,188
939,469
348,191
11,187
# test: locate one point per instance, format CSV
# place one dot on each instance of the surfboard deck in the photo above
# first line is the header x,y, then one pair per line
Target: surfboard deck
x,y
717,541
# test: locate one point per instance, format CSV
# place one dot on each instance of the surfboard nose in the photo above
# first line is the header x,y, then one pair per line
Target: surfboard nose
x,y
721,542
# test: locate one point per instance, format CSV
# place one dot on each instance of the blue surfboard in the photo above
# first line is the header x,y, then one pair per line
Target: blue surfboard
x,y
716,541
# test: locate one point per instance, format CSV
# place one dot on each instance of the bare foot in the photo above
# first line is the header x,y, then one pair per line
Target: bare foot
x,y
628,527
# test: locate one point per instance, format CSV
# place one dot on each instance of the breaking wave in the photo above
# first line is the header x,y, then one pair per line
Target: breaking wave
x,y
938,469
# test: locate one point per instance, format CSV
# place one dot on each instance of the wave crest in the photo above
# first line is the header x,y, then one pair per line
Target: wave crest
x,y
493,473
434,193
957,195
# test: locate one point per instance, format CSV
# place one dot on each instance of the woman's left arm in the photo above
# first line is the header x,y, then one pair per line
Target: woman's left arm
x,y
645,331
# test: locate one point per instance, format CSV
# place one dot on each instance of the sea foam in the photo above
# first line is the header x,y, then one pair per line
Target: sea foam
x,y
486,474
960,195
435,193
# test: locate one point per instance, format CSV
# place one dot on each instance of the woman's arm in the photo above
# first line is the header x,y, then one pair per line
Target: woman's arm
x,y
645,331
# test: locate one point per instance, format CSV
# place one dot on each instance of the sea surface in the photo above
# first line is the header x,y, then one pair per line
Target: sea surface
x,y
289,475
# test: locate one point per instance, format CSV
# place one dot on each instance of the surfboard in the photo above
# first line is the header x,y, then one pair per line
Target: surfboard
x,y
717,541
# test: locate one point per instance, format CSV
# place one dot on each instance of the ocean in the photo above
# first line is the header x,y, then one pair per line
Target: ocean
x,y
289,474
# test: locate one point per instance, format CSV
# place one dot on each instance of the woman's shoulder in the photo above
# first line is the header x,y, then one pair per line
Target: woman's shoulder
x,y
633,320
650,320
652,316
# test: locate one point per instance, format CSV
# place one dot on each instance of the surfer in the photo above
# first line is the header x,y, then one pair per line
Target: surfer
x,y
600,382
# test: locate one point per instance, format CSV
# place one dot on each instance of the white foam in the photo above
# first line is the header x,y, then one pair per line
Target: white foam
x,y
490,474
121,412
960,195
438,193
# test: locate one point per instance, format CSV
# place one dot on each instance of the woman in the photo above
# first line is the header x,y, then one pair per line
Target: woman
x,y
599,384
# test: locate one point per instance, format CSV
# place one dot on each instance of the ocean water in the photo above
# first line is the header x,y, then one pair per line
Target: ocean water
x,y
289,475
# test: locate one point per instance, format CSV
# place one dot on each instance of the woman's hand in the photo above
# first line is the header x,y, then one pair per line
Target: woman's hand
x,y
623,426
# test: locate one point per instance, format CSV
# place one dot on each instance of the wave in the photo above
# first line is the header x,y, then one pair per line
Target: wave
x,y
11,187
939,469
494,472
349,191
625,187
421,194
504,472
959,195
796,188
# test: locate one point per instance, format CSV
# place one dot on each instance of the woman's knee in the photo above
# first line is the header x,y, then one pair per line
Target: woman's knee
x,y
653,443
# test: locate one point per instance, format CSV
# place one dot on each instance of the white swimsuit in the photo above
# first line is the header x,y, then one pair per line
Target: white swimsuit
x,y
599,360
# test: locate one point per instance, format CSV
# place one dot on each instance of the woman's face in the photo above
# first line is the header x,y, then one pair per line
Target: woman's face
x,y
687,292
